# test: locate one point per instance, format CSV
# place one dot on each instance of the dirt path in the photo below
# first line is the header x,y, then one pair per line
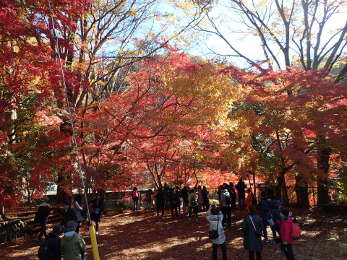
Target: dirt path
x,y
132,236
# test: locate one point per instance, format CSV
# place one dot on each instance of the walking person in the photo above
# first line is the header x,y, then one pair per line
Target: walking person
x,y
215,219
285,227
50,247
72,244
135,195
41,217
252,230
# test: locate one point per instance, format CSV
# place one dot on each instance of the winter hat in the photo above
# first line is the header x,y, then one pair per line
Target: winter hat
x,y
71,226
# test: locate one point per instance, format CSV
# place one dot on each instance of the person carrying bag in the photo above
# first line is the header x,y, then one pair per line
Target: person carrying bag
x,y
216,233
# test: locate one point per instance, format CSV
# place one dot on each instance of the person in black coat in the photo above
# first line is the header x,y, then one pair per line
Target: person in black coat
x,y
252,230
159,201
50,247
41,217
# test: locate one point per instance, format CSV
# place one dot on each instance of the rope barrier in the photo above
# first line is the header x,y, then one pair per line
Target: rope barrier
x,y
72,111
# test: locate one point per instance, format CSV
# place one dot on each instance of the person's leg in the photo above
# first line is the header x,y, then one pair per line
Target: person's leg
x,y
290,254
229,216
273,229
42,229
251,255
214,251
265,228
224,215
224,250
258,255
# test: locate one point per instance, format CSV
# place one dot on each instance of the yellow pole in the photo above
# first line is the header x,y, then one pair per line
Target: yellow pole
x,y
95,248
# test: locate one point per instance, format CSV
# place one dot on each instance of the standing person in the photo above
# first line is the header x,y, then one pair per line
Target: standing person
x,y
50,247
240,187
249,198
193,203
275,211
41,217
72,244
135,195
200,198
78,209
175,202
285,226
184,194
215,219
148,199
68,214
206,201
252,229
97,207
159,201
226,207
266,214
232,195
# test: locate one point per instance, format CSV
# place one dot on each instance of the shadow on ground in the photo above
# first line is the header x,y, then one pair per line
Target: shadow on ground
x,y
143,236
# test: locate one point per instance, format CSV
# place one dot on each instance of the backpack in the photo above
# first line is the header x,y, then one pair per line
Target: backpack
x,y
213,234
227,199
296,231
43,252
135,194
194,201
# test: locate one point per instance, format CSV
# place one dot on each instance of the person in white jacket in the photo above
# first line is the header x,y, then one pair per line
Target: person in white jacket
x,y
215,218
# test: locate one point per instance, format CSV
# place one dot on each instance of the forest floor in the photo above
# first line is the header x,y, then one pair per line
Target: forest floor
x,y
144,236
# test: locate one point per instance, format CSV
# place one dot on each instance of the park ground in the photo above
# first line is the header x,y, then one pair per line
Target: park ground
x,y
143,236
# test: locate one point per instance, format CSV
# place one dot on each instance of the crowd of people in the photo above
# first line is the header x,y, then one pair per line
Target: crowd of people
x,y
267,212
261,214
71,246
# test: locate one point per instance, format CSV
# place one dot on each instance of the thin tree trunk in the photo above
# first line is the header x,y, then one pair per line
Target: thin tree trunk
x,y
323,175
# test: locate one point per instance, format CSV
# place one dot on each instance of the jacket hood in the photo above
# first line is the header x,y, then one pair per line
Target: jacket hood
x,y
68,236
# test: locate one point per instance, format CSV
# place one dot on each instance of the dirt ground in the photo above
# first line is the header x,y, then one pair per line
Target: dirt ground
x,y
143,236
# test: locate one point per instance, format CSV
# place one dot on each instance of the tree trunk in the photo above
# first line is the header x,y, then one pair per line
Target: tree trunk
x,y
323,175
301,190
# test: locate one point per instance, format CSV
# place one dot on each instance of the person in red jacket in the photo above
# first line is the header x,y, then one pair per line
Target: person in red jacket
x,y
285,226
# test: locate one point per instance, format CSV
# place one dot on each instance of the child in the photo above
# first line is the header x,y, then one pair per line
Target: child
x,y
285,226
215,218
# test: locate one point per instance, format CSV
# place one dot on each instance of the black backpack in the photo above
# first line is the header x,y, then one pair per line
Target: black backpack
x,y
227,199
